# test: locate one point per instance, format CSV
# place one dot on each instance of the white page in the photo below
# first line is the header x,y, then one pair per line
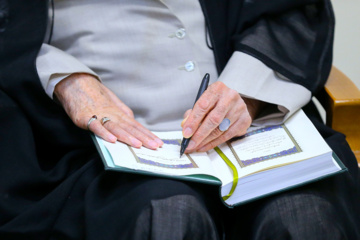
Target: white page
x,y
303,134
164,160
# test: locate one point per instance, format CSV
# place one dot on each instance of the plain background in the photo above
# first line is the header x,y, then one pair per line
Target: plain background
x,y
347,38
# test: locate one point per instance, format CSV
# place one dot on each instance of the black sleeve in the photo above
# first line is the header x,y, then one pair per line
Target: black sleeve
x,y
295,40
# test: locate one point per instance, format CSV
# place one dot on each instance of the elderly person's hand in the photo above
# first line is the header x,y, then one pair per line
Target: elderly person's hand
x,y
216,103
83,96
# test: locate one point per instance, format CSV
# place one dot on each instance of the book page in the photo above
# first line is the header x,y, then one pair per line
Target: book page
x,y
264,144
264,148
164,160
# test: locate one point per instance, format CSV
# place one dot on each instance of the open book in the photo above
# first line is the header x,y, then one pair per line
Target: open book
x,y
262,162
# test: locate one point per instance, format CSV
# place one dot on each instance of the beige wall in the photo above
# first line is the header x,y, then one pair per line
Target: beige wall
x,y
347,38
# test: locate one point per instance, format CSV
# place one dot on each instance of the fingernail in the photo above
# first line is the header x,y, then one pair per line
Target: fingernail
x,y
112,138
191,145
135,143
159,142
153,144
187,132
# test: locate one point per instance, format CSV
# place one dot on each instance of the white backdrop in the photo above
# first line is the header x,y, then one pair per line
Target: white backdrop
x,y
347,38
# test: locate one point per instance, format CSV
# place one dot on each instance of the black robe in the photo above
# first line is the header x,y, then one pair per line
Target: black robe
x,y
51,177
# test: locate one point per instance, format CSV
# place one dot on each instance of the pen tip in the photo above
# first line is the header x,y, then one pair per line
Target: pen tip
x,y
181,152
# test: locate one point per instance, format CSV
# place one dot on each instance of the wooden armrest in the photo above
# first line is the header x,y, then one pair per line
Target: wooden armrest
x,y
342,105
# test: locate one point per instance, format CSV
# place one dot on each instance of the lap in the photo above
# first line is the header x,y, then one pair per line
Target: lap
x,y
122,199
76,198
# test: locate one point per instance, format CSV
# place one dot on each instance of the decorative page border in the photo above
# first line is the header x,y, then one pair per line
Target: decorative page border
x,y
157,164
248,162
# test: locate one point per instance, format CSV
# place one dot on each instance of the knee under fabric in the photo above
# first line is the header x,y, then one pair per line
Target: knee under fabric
x,y
177,217
299,216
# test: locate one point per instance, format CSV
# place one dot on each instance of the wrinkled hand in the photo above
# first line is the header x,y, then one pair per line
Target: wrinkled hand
x,y
83,96
216,103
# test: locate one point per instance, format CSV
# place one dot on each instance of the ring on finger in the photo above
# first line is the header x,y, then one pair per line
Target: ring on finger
x,y
104,120
224,125
93,118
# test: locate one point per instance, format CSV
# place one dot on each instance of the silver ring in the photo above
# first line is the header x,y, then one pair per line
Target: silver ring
x,y
224,125
93,118
104,120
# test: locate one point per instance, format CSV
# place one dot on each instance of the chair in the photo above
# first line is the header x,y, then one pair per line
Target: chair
x,y
341,102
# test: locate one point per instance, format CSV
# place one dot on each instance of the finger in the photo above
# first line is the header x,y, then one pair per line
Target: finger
x,y
143,130
129,134
96,127
229,106
151,135
202,107
237,129
130,125
125,137
233,115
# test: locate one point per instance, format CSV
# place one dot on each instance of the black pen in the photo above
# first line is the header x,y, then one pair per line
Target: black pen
x,y
203,86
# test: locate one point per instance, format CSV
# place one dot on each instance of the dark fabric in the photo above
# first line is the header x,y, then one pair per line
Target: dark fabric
x,y
53,185
178,217
292,37
76,199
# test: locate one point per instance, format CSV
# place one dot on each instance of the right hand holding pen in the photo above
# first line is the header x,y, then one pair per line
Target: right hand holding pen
x,y
217,103
83,96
